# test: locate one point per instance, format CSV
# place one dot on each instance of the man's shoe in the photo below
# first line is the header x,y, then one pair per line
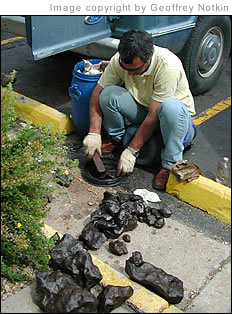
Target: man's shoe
x,y
111,146
161,179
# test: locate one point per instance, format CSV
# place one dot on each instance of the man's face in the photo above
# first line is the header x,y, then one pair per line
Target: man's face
x,y
138,67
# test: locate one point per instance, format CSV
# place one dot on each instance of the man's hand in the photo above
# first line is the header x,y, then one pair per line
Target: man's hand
x,y
126,162
92,142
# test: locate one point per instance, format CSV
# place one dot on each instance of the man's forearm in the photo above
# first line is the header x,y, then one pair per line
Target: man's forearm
x,y
95,114
143,134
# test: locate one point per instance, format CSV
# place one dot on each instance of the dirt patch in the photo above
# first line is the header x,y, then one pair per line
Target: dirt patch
x,y
71,207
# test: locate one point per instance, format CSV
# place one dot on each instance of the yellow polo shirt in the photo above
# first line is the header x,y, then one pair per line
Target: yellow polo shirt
x,y
164,78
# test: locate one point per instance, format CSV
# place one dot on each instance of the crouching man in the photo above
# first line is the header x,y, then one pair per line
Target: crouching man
x,y
155,99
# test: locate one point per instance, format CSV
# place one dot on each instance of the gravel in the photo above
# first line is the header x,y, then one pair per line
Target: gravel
x,y
9,288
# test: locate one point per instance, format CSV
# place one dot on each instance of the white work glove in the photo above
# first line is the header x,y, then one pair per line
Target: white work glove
x,y
92,142
126,162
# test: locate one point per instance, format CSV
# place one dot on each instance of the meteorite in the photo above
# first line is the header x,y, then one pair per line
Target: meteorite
x,y
57,292
155,279
118,247
112,297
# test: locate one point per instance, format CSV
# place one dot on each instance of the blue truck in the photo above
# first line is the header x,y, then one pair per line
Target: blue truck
x,y
203,43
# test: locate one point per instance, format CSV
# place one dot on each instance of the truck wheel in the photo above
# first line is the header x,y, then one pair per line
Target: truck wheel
x,y
206,52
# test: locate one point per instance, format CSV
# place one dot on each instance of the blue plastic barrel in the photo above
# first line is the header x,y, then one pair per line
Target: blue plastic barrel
x,y
80,92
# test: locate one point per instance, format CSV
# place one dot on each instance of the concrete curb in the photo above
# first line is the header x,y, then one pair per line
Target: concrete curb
x,y
142,300
202,192
31,110
205,194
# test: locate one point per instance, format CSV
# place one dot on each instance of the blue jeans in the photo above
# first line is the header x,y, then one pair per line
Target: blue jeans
x,y
176,128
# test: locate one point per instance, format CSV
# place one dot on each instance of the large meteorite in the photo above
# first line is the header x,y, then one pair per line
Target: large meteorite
x,y
57,292
69,256
155,279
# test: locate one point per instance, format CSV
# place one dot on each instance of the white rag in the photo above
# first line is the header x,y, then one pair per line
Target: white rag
x,y
89,68
147,195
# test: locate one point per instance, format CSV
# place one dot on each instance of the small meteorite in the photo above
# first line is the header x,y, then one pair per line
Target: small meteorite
x,y
165,212
118,247
126,238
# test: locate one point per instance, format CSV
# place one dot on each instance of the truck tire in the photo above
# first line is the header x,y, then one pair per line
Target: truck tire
x,y
206,52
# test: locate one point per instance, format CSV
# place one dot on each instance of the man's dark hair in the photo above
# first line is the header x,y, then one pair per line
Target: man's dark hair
x,y
135,43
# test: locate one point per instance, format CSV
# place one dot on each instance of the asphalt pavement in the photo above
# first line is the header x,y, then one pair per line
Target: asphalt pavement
x,y
193,245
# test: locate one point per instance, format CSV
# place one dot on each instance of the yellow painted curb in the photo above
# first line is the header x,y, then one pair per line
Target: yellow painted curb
x,y
172,309
142,299
28,109
205,194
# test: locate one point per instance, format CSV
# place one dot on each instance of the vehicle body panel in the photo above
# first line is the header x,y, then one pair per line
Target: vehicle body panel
x,y
203,43
167,31
49,35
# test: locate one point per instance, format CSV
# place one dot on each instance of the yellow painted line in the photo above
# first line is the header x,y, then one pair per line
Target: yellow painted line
x,y
28,109
142,299
205,194
209,113
9,40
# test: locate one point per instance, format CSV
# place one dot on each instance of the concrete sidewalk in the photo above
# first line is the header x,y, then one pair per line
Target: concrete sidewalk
x,y
201,261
